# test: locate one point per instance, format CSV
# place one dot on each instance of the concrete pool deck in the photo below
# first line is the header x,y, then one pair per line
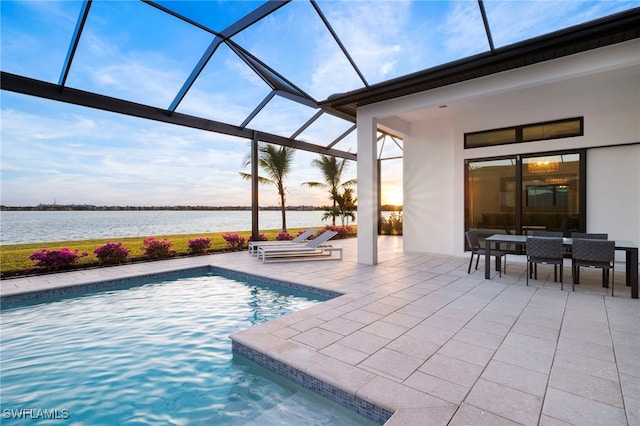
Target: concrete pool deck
x,y
418,336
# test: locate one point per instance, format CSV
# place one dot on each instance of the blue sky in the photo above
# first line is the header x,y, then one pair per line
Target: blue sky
x,y
54,151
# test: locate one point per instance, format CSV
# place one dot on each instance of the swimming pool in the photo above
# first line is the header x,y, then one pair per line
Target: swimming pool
x,y
158,353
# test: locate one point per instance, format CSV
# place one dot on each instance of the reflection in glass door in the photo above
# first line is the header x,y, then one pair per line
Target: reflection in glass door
x,y
491,196
551,193
521,194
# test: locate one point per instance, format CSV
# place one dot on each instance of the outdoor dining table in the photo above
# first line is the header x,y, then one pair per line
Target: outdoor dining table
x,y
629,247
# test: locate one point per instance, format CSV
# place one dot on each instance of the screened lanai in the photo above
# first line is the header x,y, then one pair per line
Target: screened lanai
x,y
290,73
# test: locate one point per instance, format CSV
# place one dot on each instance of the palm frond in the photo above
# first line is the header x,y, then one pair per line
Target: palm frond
x,y
315,184
276,161
247,176
349,183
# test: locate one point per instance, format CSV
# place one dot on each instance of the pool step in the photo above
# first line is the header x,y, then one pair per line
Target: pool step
x,y
307,408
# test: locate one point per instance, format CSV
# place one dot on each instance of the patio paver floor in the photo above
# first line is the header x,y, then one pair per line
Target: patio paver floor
x,y
419,336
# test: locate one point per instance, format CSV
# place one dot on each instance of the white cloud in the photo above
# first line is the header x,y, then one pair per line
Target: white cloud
x,y
513,21
372,32
102,158
78,155
140,76
463,29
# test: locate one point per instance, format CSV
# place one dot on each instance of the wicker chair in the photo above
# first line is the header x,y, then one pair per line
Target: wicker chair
x,y
474,245
589,236
554,234
594,254
545,250
583,235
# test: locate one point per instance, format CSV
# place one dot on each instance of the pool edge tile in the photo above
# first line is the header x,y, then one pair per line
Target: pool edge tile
x,y
346,399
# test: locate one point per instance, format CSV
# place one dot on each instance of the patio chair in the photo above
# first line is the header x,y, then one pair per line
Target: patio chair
x,y
474,245
583,235
314,248
545,250
551,234
253,245
594,254
590,236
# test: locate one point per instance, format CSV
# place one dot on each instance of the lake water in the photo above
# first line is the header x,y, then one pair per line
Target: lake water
x,y
46,226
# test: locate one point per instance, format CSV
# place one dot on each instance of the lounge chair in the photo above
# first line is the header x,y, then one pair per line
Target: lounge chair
x,y
253,245
313,249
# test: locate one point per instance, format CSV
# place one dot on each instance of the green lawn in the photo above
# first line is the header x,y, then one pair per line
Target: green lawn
x,y
14,258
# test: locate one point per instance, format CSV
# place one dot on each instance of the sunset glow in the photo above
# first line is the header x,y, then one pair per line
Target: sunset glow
x,y
392,196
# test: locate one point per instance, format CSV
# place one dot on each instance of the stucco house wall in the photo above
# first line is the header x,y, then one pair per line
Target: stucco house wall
x,y
601,85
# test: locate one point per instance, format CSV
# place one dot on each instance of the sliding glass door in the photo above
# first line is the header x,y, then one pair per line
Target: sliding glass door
x,y
551,193
491,196
523,193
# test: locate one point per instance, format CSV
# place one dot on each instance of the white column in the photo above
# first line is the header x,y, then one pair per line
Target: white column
x,y
367,191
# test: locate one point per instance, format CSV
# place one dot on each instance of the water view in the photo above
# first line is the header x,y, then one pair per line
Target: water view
x,y
46,226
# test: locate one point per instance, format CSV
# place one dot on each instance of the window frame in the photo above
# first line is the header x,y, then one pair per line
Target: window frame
x,y
520,195
519,131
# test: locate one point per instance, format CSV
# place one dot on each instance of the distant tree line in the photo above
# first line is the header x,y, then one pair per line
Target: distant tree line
x,y
73,207
88,207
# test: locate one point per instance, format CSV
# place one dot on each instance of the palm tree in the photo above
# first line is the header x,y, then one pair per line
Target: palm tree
x,y
331,169
276,162
347,205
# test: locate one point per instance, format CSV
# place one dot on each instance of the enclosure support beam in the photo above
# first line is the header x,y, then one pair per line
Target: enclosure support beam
x,y
42,89
255,229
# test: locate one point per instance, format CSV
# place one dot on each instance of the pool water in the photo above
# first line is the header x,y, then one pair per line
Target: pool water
x,y
154,354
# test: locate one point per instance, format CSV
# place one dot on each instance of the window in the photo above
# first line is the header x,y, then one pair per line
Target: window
x,y
489,138
526,133
547,195
523,193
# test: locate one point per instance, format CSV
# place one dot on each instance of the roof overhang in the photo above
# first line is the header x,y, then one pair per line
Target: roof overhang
x,y
607,31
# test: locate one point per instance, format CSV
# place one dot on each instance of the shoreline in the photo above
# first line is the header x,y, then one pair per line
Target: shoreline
x,y
246,233
92,208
